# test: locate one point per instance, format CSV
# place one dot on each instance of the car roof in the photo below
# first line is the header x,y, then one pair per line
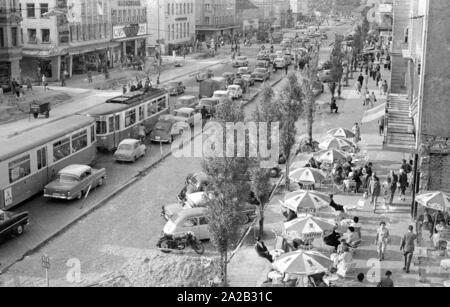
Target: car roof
x,y
129,142
208,99
184,110
220,92
186,98
75,169
191,212
233,86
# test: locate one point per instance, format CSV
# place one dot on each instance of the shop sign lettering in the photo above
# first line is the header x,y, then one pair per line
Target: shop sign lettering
x,y
131,30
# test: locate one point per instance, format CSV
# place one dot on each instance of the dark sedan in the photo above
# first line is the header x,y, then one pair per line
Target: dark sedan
x,y
176,88
261,74
12,224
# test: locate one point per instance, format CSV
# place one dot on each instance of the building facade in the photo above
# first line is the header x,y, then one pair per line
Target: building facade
x,y
215,18
65,37
171,25
301,9
400,40
10,43
129,26
247,15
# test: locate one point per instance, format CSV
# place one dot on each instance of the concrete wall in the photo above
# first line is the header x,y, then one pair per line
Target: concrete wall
x,y
436,71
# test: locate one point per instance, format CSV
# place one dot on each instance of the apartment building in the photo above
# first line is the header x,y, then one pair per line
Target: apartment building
x,y
10,43
171,24
215,18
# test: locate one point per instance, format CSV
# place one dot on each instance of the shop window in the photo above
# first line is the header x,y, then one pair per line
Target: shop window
x,y
130,118
79,141
45,36
101,127
61,149
19,168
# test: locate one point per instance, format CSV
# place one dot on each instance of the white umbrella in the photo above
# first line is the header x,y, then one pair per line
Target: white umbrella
x,y
303,263
336,143
306,175
330,156
308,227
434,200
341,133
307,200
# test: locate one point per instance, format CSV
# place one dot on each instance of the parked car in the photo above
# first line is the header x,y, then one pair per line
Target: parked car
x,y
243,71
325,76
129,150
280,63
186,102
229,76
272,58
222,96
242,83
263,55
249,79
235,91
288,59
13,223
74,181
263,64
165,130
240,61
176,88
202,76
186,115
261,74
210,104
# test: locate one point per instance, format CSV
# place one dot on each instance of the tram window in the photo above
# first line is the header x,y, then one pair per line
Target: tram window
x,y
92,134
111,123
101,127
130,118
141,113
161,104
42,158
19,168
117,123
79,141
151,108
61,149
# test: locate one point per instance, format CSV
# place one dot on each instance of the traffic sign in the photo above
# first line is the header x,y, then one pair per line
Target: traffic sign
x,y
45,262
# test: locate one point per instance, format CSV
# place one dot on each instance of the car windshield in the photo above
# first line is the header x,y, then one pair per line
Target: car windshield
x,y
173,84
162,125
67,177
260,70
182,114
219,95
125,147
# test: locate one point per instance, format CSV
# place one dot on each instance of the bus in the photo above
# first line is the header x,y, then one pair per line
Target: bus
x,y
30,160
119,118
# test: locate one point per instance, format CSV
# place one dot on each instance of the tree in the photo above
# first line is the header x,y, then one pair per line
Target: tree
x,y
337,68
228,188
290,105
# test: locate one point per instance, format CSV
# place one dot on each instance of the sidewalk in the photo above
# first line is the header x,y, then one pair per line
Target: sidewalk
x,y
398,218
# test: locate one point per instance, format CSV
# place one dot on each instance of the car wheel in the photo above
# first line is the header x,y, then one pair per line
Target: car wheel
x,y
19,230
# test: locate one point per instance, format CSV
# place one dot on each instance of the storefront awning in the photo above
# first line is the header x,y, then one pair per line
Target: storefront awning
x,y
92,48
374,114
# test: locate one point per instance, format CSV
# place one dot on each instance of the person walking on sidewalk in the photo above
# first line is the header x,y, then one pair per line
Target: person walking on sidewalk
x,y
44,82
387,281
372,99
385,88
89,75
361,80
357,132
286,68
408,246
374,191
380,87
394,179
378,77
403,182
381,125
382,240
262,250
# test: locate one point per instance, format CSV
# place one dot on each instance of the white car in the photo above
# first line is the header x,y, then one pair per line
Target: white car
x,y
241,61
222,96
186,115
280,63
235,91
130,150
244,71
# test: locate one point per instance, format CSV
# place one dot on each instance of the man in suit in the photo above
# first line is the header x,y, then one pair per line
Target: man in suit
x,y
408,246
262,250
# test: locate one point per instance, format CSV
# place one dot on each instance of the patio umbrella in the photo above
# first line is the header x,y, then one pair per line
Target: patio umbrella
x,y
306,175
330,156
308,227
434,200
335,143
341,133
303,263
308,200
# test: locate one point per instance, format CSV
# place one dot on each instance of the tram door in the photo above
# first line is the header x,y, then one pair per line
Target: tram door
x,y
115,129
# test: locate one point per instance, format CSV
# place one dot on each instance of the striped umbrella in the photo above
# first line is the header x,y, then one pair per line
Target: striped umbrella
x,y
306,175
306,200
330,156
303,263
434,200
308,227
341,133
335,143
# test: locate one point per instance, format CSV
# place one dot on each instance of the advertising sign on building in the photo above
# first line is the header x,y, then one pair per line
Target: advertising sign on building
x,y
131,30
63,22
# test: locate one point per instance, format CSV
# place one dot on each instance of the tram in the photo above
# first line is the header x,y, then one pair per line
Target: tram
x,y
30,160
119,118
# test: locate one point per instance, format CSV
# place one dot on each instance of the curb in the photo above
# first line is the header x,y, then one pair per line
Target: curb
x,y
108,197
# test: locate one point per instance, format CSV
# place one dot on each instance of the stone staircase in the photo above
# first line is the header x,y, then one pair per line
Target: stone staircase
x,y
400,129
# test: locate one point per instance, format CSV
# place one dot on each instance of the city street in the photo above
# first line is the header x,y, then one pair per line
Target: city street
x,y
129,220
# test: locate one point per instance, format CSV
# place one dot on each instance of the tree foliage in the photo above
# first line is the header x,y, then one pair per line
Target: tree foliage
x,y
337,65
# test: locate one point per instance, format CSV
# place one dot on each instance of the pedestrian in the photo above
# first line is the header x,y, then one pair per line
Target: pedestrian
x,y
361,80
380,87
403,182
334,106
378,78
374,191
393,187
89,75
63,80
382,240
366,98
408,246
142,133
286,68
357,132
385,87
386,282
358,87
372,99
44,82
406,167
29,85
381,125
262,250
